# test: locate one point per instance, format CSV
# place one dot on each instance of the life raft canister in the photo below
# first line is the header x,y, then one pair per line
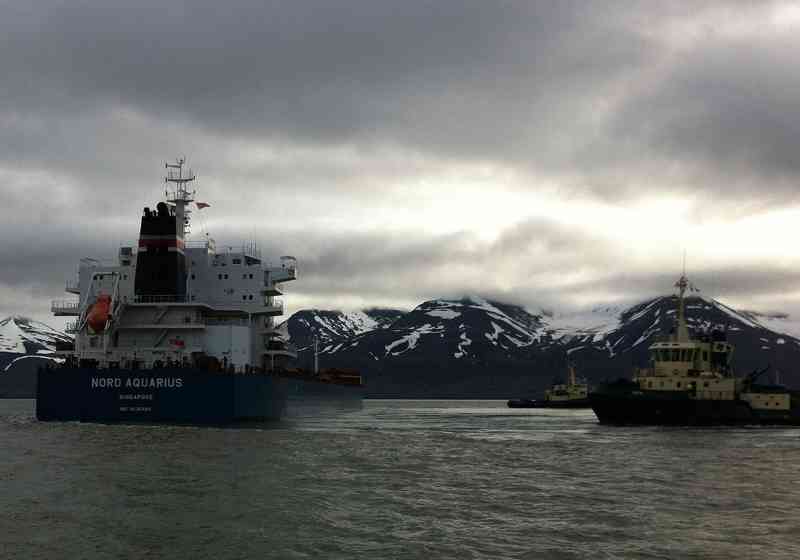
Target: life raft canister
x,y
98,314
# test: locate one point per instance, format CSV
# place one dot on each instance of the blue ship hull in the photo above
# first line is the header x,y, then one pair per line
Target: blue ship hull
x,y
168,395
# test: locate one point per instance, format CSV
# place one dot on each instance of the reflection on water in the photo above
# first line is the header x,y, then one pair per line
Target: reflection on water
x,y
398,479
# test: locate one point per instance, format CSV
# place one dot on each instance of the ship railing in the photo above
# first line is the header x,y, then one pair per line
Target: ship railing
x,y
65,307
72,287
213,321
160,299
271,305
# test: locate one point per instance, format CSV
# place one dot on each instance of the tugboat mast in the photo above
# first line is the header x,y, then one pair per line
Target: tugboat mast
x,y
683,331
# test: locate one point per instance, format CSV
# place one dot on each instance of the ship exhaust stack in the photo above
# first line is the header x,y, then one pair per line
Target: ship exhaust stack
x,y
160,262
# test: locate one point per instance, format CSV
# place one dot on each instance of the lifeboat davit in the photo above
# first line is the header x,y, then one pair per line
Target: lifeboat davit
x,y
98,314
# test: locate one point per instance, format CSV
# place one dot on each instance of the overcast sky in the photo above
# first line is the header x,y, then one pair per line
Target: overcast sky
x,y
556,154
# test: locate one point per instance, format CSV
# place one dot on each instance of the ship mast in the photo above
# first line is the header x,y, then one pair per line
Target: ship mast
x,y
180,196
683,331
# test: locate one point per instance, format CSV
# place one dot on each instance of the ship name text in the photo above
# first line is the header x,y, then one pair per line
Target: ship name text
x,y
137,383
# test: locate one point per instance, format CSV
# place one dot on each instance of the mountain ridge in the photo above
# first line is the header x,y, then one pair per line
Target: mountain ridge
x,y
475,346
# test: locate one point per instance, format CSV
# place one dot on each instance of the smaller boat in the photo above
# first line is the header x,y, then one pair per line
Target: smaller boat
x,y
561,395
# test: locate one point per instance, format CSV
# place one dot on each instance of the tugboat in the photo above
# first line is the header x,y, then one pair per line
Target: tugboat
x,y
562,395
690,382
179,332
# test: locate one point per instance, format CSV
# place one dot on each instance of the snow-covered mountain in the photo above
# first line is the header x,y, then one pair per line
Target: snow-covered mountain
x,y
615,330
20,335
332,327
25,345
470,328
477,346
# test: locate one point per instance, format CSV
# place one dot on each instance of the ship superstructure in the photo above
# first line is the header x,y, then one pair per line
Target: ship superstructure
x,y
690,380
173,301
571,394
176,330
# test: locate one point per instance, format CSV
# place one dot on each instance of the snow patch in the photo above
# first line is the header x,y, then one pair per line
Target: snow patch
x,y
410,340
493,336
465,341
18,358
444,313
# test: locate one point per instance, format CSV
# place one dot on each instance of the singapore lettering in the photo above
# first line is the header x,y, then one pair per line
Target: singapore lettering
x,y
137,383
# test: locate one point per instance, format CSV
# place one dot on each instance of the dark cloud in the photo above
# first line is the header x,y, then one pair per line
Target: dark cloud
x,y
298,114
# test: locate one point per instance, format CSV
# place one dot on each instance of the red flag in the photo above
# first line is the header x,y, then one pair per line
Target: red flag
x,y
201,205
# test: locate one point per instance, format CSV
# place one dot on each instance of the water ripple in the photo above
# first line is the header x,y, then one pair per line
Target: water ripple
x,y
400,479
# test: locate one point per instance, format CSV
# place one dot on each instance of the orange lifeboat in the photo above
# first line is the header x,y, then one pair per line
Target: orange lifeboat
x,y
98,314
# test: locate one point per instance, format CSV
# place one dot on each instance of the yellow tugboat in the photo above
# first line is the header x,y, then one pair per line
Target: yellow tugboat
x,y
571,394
691,382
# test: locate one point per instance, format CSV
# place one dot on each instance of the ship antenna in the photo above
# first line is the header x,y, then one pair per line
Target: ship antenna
x,y
682,284
180,196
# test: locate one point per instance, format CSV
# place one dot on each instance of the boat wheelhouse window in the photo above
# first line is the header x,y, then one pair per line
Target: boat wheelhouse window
x,y
226,276
244,296
676,355
250,297
683,355
219,276
237,261
193,276
251,277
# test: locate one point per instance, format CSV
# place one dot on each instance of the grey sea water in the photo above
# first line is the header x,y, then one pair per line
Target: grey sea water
x,y
400,479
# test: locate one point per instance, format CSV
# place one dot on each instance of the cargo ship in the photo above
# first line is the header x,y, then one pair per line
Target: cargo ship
x,y
572,394
690,381
178,331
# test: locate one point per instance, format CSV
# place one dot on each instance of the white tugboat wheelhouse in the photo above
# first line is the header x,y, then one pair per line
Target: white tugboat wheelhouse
x,y
701,367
